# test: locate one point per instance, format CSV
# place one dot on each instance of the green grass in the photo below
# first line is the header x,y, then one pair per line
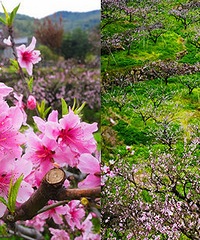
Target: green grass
x,y
143,51
129,126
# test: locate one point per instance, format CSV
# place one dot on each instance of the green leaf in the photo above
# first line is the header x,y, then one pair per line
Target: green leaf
x,y
6,14
42,110
38,107
13,14
10,194
16,9
30,83
74,105
77,111
3,20
46,112
13,191
64,107
14,63
11,19
3,201
42,106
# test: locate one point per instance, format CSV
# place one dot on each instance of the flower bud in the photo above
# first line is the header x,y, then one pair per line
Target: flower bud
x,y
31,103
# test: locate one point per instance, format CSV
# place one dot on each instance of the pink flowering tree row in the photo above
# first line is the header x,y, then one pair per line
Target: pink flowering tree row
x,y
67,84
155,198
50,172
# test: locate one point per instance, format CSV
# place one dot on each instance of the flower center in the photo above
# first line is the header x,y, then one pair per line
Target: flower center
x,y
66,136
45,154
27,56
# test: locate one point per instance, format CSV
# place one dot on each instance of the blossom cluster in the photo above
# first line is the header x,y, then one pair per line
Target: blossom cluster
x,y
59,143
74,214
62,82
11,150
65,142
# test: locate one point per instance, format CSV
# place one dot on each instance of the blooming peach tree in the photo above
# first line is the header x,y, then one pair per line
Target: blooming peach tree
x,y
50,170
155,198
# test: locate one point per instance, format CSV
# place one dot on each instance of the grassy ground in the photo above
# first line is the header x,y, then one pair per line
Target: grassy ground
x,y
129,129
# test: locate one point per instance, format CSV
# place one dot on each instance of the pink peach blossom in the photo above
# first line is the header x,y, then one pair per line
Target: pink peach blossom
x,y
27,56
74,214
70,131
54,213
44,151
59,234
89,164
37,222
86,230
31,102
7,41
90,181
41,124
19,103
4,90
10,137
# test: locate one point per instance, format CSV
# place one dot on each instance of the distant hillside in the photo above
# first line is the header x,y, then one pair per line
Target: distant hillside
x,y
83,20
24,25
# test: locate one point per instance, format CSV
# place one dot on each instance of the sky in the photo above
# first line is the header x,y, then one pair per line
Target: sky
x,y
43,8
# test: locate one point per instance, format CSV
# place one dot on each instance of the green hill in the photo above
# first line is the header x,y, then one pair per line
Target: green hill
x,y
24,25
83,20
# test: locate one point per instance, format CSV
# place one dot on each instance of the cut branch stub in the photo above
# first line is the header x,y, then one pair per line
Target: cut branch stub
x,y
55,177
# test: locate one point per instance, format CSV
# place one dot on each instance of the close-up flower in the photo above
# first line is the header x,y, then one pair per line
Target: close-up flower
x,y
27,56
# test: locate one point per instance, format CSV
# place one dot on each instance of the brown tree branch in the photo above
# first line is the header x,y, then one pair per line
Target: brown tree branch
x,y
69,194
51,188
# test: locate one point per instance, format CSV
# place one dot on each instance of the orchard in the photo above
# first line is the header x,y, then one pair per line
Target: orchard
x,y
150,120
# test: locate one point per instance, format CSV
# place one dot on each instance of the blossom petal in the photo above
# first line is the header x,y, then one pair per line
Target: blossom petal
x,y
53,116
32,44
2,209
16,121
88,164
25,191
4,90
29,68
90,181
40,123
